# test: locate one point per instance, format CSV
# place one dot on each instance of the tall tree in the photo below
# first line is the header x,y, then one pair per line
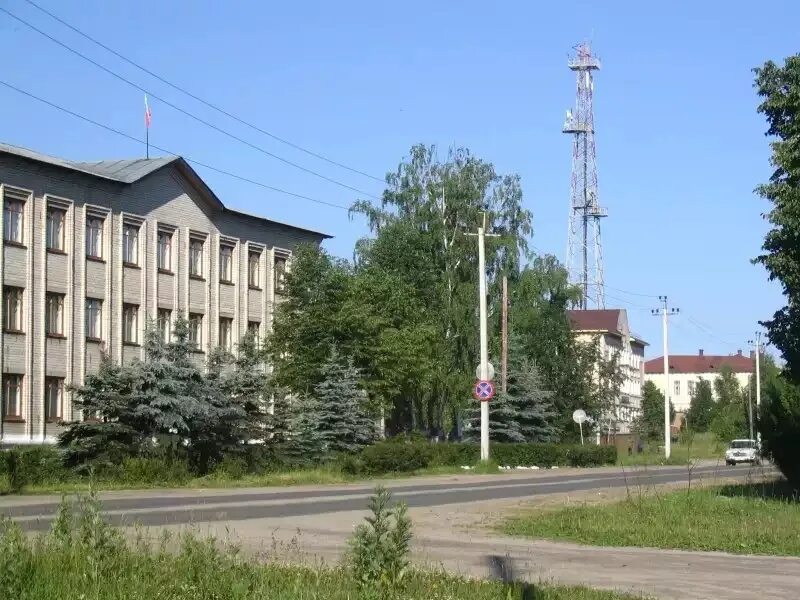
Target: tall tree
x,y
779,89
701,408
650,423
434,204
726,387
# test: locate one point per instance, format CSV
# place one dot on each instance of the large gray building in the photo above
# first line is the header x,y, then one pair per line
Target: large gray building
x,y
92,250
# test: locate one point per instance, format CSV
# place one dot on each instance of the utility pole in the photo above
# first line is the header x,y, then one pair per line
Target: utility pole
x,y
750,405
504,357
665,313
757,344
484,336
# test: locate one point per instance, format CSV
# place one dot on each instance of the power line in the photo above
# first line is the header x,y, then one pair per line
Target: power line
x,y
199,99
631,293
709,332
189,160
183,111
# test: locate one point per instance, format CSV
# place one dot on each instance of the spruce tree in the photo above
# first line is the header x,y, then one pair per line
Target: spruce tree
x,y
533,405
504,423
110,430
332,418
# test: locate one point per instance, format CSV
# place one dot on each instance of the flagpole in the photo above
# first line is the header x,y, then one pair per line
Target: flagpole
x,y
147,141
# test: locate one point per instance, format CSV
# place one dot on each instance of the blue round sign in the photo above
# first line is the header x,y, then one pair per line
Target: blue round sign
x,y
483,391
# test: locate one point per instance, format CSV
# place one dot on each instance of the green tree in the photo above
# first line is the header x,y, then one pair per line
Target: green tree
x,y
332,418
650,423
701,408
540,298
779,420
726,387
428,207
111,429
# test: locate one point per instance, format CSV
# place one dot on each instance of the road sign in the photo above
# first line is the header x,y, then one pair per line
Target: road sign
x,y
579,416
483,391
489,374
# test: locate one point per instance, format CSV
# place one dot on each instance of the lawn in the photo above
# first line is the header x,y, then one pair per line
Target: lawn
x,y
689,447
743,519
92,561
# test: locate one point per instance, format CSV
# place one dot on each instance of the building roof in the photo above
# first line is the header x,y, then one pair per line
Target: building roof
x,y
700,363
611,320
132,170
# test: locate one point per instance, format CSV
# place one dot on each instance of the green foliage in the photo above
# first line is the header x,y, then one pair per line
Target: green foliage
x,y
32,465
701,408
779,90
396,457
650,423
779,424
730,421
380,548
524,413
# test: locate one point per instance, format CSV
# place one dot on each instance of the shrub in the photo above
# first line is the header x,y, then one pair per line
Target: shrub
x,y
350,464
151,470
779,424
396,457
380,547
33,465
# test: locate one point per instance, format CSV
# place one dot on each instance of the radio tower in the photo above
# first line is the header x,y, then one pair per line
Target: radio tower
x,y
584,249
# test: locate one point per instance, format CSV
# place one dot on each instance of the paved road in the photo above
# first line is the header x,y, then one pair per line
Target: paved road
x,y
170,507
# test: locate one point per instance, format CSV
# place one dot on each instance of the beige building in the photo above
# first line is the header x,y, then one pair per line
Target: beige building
x,y
686,369
610,330
92,251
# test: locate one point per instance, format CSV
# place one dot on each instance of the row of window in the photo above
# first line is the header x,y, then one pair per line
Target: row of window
x,y
676,387
56,219
12,397
54,320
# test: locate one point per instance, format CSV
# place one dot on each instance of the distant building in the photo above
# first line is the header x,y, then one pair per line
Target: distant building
x,y
686,369
610,330
92,251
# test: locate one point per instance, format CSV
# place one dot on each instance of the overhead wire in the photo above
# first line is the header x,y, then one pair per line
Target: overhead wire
x,y
187,159
201,100
183,111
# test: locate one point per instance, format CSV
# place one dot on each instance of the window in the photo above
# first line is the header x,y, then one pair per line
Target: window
x,y
130,324
12,304
254,328
56,218
196,257
165,250
94,321
196,329
690,386
280,274
253,270
226,263
12,396
677,387
94,237
164,322
55,314
13,210
130,244
225,333
54,398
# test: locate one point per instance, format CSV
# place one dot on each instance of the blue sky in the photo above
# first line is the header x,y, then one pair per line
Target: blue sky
x,y
679,144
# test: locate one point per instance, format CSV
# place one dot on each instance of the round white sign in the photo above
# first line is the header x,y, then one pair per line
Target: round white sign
x,y
489,372
579,416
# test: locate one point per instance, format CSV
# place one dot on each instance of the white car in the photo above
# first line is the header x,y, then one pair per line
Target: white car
x,y
741,451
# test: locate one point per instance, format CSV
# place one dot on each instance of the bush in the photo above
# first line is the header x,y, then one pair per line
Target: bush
x,y
779,424
396,457
149,471
33,465
380,547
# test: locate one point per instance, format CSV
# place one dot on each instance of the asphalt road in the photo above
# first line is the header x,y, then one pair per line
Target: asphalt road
x,y
171,507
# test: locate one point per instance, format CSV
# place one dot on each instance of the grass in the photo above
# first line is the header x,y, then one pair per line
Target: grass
x,y
743,519
89,560
689,447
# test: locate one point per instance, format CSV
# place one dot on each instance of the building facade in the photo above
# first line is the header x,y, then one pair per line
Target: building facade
x,y
93,251
686,369
609,329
